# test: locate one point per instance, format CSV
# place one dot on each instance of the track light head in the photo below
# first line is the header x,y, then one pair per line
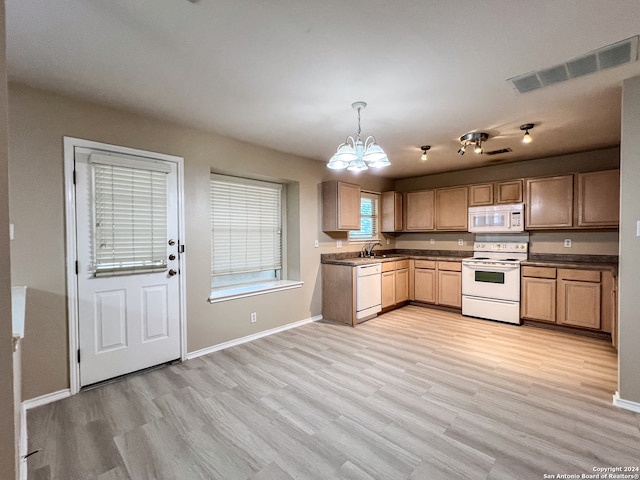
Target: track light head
x,y
462,149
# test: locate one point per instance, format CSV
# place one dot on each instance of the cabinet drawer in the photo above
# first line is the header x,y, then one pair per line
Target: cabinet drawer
x,y
400,264
451,266
425,264
388,266
539,272
580,275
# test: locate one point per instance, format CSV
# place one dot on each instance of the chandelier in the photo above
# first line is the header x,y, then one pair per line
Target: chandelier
x,y
356,155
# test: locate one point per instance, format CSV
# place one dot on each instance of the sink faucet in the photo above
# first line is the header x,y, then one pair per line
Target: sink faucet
x,y
370,246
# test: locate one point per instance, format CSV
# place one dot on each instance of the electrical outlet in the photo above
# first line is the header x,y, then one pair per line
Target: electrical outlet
x,y
388,241
432,241
567,243
339,243
316,244
460,241
254,318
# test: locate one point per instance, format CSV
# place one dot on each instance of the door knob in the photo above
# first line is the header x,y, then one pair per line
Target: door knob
x,y
172,272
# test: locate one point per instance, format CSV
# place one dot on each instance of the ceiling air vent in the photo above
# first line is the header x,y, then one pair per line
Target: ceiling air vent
x,y
609,56
498,152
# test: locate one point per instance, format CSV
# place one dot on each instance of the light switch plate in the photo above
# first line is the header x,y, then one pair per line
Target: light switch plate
x,y
339,243
316,244
638,228
11,230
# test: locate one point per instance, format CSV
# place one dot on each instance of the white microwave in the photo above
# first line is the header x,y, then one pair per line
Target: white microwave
x,y
497,218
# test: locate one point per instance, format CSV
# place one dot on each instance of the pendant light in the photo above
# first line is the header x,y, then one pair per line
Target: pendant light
x,y
356,155
424,149
526,127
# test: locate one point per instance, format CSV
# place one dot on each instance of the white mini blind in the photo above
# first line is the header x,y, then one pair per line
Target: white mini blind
x,y
129,216
368,218
246,227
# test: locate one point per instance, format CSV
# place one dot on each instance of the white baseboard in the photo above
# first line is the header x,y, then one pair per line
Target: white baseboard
x,y
250,338
45,399
626,404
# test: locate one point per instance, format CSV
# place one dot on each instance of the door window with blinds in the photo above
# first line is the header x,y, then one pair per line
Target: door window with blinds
x,y
246,231
129,215
368,218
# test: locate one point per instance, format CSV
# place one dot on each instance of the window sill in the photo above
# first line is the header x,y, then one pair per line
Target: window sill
x,y
240,291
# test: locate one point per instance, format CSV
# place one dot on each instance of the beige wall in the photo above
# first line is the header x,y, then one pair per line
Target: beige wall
x,y
8,451
594,243
629,279
38,120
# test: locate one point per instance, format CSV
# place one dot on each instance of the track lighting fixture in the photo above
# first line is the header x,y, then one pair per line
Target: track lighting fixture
x,y
424,149
475,139
526,127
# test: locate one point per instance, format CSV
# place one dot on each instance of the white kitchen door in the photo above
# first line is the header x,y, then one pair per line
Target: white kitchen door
x,y
127,263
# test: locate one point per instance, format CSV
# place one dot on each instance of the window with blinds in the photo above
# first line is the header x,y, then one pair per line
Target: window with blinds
x,y
246,230
129,215
368,218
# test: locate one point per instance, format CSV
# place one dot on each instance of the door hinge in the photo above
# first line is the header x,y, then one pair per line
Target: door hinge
x,y
77,268
78,355
74,177
181,248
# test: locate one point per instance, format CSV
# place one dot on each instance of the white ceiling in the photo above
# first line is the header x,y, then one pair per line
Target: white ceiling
x,y
283,73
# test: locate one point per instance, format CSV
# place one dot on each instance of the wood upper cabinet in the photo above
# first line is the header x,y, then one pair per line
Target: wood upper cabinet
x,y
340,206
549,202
419,210
509,191
481,195
452,208
579,298
598,199
538,294
495,193
391,208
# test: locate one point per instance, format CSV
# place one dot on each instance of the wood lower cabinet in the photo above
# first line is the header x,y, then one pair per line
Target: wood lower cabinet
x,y
570,296
451,208
395,283
391,212
425,281
419,210
340,206
402,281
579,297
450,284
549,202
388,279
538,294
598,199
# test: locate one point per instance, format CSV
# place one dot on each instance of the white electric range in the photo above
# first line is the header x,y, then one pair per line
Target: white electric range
x,y
491,281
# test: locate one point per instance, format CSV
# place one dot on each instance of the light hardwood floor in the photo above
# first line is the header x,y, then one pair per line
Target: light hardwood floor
x,y
413,394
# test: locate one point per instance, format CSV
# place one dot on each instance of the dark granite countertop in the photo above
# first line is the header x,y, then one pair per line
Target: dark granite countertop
x,y
584,262
381,256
